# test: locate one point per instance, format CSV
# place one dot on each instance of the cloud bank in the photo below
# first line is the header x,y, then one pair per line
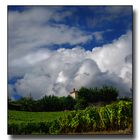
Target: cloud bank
x,y
57,72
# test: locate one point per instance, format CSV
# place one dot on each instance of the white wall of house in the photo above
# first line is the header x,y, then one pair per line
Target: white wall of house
x,y
72,95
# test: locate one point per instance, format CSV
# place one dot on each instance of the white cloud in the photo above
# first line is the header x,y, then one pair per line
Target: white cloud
x,y
98,36
59,71
32,29
112,56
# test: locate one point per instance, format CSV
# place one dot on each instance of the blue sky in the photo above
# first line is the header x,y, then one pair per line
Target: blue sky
x,y
38,33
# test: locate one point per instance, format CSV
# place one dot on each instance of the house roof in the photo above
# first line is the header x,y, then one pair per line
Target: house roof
x,y
74,91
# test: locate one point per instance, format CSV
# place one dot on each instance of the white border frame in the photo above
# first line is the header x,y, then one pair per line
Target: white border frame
x,y
3,57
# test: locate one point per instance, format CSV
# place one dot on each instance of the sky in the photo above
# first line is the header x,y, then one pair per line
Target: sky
x,y
53,49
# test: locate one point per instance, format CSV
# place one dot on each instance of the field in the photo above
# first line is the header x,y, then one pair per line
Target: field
x,y
22,116
115,118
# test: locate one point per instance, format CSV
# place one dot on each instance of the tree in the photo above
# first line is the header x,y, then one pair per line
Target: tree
x,y
108,94
27,104
84,93
104,94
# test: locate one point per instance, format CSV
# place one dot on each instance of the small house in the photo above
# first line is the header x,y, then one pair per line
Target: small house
x,y
73,94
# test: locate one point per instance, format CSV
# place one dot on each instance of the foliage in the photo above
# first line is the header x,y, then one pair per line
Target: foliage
x,y
116,116
104,94
47,103
88,96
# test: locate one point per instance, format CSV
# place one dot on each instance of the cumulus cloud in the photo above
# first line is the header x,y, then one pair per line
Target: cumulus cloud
x,y
57,72
113,56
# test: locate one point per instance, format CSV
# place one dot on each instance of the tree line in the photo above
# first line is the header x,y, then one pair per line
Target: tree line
x,y
47,103
84,97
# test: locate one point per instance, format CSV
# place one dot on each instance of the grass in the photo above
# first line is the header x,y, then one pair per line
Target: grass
x,y
22,116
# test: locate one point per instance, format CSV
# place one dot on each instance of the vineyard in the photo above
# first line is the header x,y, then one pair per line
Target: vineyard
x,y
113,117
